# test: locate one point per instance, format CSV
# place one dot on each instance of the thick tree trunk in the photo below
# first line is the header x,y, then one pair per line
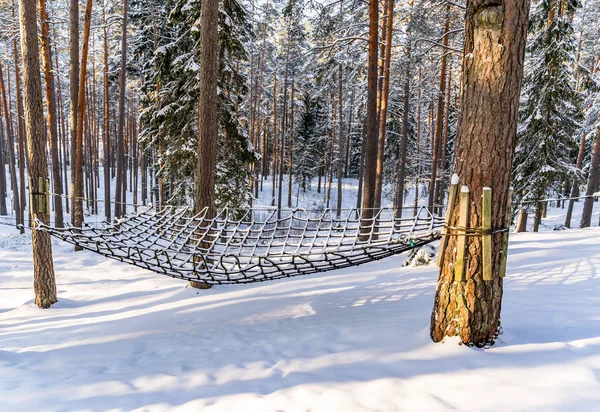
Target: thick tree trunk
x,y
370,168
208,120
51,112
44,283
77,170
495,34
593,181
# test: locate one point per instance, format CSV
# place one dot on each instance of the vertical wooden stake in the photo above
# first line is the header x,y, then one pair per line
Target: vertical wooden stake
x,y
461,244
504,255
449,211
486,226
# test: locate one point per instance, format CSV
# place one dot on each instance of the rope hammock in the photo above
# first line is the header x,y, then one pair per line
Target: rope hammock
x,y
245,246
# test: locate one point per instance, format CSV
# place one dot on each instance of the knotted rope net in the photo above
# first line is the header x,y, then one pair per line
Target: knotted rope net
x,y
244,246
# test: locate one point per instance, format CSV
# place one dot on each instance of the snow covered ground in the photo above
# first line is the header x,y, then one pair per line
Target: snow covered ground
x,y
122,338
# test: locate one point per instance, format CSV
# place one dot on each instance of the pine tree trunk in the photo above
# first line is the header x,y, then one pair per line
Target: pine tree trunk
x,y
274,154
283,133
77,171
370,169
20,126
106,140
73,89
383,107
207,112
11,155
439,121
51,112
495,35
575,185
401,163
44,283
121,172
340,163
291,146
3,209
63,132
592,187
522,221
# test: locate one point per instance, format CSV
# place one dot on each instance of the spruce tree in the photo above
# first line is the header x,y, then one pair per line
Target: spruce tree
x,y
550,113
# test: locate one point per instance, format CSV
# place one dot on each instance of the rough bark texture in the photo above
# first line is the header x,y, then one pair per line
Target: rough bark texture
x,y
495,34
44,283
207,110
52,116
593,180
370,168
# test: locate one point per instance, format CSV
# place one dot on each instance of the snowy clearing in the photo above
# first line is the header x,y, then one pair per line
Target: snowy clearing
x,y
122,338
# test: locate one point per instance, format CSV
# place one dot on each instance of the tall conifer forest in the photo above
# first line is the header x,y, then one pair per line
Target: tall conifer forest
x,y
292,105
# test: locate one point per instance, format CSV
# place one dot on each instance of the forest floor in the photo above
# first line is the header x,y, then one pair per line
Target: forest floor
x,y
122,338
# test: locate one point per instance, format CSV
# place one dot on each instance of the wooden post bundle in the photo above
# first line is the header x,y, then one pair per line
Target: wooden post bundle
x,y
39,195
504,256
461,243
449,211
486,239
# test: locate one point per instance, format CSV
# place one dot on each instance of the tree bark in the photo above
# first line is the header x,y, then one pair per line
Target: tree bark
x,y
370,169
207,112
3,188
52,116
20,126
11,156
495,34
44,282
593,181
383,107
106,131
77,171
340,162
575,186
73,87
401,163
121,172
440,114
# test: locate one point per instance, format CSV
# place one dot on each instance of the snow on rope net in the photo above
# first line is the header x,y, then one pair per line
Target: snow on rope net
x,y
254,245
